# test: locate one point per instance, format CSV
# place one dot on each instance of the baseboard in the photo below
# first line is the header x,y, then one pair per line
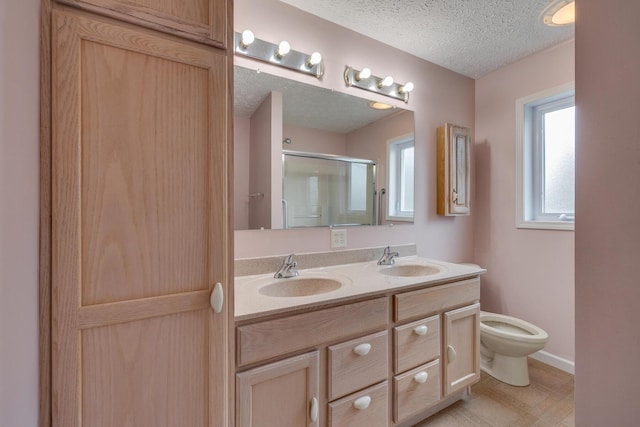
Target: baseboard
x,y
555,361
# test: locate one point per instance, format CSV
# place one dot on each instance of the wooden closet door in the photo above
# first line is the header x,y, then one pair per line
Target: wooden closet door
x,y
139,227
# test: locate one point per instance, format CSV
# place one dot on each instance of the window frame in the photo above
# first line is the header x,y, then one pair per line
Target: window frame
x,y
528,158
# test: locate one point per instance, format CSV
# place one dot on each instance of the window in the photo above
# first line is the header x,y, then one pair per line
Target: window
x,y
546,160
358,180
401,163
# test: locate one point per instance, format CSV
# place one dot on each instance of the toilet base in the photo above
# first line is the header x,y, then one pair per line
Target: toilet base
x,y
509,370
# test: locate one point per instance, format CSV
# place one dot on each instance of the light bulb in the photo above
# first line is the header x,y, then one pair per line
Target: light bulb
x,y
247,38
283,49
314,59
387,81
365,73
408,87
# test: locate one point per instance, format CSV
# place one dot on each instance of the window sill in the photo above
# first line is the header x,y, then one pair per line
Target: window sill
x,y
547,225
400,218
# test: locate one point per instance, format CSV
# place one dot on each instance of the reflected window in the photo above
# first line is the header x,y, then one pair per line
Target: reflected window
x,y
401,166
357,187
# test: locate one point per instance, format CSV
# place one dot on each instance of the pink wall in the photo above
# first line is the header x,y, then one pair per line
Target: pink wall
x,y
241,143
314,140
608,208
527,269
19,186
440,96
265,139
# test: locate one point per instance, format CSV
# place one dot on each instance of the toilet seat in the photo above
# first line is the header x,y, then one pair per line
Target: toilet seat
x,y
512,328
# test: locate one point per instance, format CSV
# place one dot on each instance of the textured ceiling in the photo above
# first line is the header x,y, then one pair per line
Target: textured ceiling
x,y
304,105
471,37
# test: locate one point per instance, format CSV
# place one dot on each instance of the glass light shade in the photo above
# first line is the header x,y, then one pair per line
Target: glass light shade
x,y
283,48
247,38
387,81
315,59
365,73
565,15
408,87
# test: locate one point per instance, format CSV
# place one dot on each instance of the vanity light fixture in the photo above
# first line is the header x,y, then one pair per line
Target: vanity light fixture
x,y
363,79
281,54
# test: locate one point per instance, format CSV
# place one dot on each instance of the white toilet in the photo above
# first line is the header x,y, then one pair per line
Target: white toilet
x,y
505,343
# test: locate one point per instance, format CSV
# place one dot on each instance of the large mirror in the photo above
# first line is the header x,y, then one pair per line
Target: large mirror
x,y
306,156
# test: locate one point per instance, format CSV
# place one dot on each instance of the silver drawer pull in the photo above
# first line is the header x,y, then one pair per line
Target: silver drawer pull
x,y
362,403
314,410
421,377
451,354
420,330
362,349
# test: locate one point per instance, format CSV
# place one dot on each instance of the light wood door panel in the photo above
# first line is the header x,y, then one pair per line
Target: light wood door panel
x,y
140,230
200,20
134,373
461,348
279,394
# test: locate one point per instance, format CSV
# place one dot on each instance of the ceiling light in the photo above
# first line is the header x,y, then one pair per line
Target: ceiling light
x,y
283,49
247,38
379,105
559,12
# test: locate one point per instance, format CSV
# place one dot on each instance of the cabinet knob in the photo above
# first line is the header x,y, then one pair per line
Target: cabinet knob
x,y
314,410
451,354
362,403
421,377
217,298
362,349
420,330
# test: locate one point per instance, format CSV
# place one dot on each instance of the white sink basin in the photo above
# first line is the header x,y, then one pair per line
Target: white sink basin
x,y
410,270
300,286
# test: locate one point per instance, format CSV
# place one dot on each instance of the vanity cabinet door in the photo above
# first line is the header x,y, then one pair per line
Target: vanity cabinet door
x,y
461,349
280,394
454,180
200,20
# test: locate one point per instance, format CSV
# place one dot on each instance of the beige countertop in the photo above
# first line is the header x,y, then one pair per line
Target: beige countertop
x,y
358,280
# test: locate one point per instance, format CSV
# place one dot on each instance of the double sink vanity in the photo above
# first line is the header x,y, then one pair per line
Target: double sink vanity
x,y
356,344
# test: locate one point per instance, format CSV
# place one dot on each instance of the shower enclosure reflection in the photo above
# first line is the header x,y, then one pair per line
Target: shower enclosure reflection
x,y
322,190
275,117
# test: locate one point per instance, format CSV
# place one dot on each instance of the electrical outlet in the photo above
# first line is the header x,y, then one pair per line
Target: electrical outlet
x,y
338,238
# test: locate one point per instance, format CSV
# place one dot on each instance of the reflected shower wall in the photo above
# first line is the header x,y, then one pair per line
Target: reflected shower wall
x,y
325,190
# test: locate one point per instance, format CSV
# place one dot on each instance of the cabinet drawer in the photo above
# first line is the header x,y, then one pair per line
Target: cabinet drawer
x,y
357,363
366,408
416,343
424,302
414,393
271,338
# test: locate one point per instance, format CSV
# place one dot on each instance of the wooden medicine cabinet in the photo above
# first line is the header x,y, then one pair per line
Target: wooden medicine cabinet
x,y
453,170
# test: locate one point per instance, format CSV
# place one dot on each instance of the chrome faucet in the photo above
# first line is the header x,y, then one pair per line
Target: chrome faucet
x,y
287,269
387,257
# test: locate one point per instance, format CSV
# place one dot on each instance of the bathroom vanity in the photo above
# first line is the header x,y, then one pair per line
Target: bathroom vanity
x,y
388,347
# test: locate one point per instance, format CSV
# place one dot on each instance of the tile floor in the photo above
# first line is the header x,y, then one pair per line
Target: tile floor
x,y
546,402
